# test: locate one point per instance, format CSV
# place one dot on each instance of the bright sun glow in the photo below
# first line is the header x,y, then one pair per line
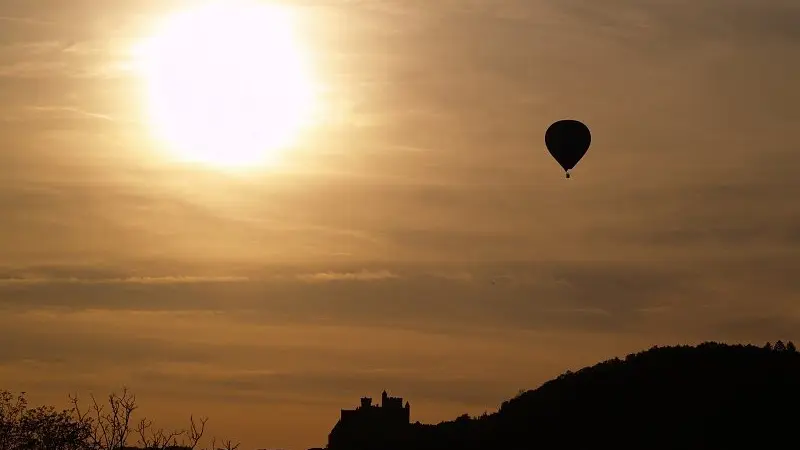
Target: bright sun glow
x,y
227,83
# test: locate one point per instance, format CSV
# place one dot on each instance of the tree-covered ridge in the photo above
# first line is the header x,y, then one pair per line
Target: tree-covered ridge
x,y
701,361
711,395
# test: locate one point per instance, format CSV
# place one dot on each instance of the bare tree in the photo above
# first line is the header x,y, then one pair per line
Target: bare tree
x,y
160,439
223,445
156,439
109,428
194,434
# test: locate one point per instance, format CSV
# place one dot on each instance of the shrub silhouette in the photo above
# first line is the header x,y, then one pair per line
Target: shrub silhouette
x,y
98,427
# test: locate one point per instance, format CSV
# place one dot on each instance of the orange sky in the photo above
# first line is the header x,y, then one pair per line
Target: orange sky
x,y
272,299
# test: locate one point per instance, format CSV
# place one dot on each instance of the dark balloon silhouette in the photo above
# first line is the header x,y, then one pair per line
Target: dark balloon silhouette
x,y
567,141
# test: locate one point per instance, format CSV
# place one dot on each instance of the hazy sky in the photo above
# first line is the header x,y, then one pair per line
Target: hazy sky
x,y
272,300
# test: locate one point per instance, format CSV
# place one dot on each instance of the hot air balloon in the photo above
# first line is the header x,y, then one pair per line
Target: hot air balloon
x,y
567,141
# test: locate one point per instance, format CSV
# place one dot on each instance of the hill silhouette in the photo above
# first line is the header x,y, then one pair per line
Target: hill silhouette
x,y
710,396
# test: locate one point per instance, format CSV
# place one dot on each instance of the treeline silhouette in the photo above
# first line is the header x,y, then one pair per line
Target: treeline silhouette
x,y
710,396
99,426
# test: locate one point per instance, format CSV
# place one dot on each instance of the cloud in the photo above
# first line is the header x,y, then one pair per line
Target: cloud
x,y
315,388
72,111
765,326
592,296
214,352
132,280
25,20
32,69
363,275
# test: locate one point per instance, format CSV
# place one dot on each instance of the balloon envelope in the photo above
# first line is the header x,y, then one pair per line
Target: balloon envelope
x,y
567,141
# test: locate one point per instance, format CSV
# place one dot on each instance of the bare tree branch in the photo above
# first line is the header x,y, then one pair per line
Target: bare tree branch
x,y
223,445
195,433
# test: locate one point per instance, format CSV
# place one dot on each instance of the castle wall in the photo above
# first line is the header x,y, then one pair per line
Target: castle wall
x,y
370,423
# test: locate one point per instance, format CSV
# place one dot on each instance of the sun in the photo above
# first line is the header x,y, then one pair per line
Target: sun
x,y
227,83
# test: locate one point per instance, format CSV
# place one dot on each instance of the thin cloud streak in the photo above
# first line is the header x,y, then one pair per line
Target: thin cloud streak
x,y
357,276
132,280
26,20
72,110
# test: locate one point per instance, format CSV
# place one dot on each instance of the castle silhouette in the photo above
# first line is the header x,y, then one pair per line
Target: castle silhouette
x,y
371,426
